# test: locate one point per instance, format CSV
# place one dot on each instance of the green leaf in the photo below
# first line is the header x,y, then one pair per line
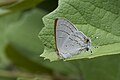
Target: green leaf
x,y
25,4
102,68
96,18
5,21
23,35
22,61
6,78
49,5
7,2
45,77
17,5
3,11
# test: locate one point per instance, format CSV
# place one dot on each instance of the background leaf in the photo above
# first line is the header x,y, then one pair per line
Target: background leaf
x,y
17,5
5,21
25,47
4,78
101,68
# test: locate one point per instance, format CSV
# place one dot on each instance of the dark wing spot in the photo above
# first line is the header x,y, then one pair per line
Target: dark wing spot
x,y
87,49
87,40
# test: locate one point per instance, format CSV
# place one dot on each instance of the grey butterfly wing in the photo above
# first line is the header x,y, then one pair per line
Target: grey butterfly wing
x,y
74,44
63,29
69,41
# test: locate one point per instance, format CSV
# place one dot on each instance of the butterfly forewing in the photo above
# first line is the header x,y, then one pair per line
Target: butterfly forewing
x,y
63,29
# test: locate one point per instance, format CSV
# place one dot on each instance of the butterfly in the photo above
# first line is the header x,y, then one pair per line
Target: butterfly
x,y
69,40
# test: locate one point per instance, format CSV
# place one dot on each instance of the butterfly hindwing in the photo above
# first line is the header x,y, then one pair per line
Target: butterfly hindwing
x,y
74,44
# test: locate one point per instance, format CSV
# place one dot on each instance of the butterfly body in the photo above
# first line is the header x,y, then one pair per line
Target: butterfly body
x,y
69,40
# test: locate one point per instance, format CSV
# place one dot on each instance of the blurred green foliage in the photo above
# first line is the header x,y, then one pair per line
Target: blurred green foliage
x,y
20,47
